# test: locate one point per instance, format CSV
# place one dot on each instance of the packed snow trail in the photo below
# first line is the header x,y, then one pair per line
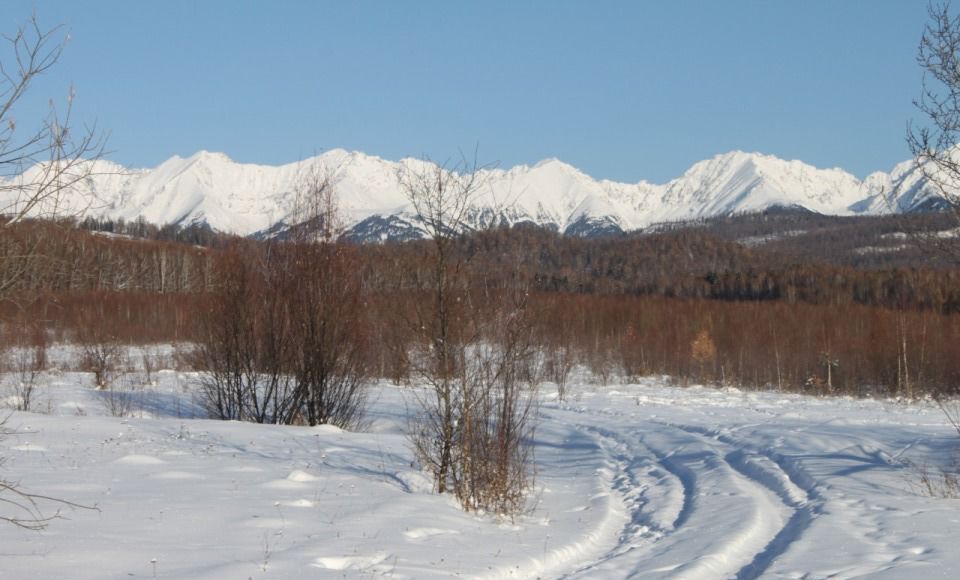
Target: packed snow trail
x,y
747,507
701,496
644,481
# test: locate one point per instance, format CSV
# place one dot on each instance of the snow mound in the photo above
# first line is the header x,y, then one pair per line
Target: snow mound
x,y
140,460
299,476
349,562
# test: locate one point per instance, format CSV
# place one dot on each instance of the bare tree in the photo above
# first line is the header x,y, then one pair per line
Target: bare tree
x,y
39,162
476,417
328,344
936,155
933,143
316,214
440,196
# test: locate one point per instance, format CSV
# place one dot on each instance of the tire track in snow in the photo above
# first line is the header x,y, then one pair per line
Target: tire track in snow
x,y
752,501
731,518
658,495
675,482
656,507
603,532
795,488
768,472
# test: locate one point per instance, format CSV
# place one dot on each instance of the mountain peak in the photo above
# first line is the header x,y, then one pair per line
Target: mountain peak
x,y
556,168
209,157
247,198
552,162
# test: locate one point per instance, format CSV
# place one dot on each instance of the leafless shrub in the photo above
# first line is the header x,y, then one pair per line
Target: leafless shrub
x,y
123,397
244,340
148,362
101,351
473,353
950,405
30,365
492,467
328,358
393,359
327,346
602,366
703,351
283,339
493,413
943,482
557,365
103,360
183,357
27,359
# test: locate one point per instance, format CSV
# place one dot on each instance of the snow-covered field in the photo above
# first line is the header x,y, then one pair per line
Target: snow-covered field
x,y
646,480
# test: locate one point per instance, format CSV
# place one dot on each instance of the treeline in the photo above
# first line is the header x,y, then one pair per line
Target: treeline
x,y
127,317
861,242
820,349
44,257
680,264
680,303
195,234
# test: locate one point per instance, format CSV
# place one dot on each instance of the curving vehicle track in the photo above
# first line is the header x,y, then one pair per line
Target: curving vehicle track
x,y
733,492
638,481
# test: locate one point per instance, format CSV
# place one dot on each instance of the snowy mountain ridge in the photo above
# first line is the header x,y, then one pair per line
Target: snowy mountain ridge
x,y
245,199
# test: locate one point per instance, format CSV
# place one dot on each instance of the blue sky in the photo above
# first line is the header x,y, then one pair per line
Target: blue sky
x,y
623,90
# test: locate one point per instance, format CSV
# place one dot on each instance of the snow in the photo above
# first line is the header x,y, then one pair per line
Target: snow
x,y
741,181
244,198
643,480
755,241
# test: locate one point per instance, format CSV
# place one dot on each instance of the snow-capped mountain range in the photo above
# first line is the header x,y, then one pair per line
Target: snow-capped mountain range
x,y
248,199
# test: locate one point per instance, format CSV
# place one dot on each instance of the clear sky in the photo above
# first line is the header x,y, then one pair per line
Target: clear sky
x,y
623,90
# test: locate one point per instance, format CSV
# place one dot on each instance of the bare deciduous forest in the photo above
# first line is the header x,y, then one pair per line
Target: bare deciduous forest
x,y
783,316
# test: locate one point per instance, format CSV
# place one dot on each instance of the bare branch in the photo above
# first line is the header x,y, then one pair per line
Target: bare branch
x,y
39,166
24,509
933,144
